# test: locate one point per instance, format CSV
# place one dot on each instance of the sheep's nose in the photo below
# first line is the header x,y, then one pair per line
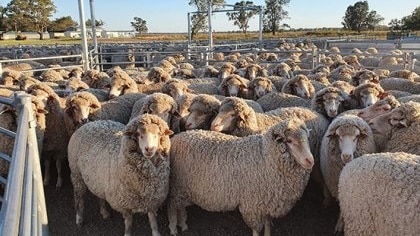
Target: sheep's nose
x,y
346,158
148,149
84,121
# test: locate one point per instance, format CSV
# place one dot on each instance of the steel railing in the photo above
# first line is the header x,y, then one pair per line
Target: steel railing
x,y
23,209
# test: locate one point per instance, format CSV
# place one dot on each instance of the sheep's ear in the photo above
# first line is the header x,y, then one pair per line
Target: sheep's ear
x,y
94,106
42,111
383,95
278,138
363,133
331,133
131,132
168,132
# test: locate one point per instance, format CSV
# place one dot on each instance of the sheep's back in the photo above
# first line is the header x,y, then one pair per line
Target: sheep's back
x,y
202,160
378,195
92,149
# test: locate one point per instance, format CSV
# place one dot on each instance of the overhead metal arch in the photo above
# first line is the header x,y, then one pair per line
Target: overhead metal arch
x,y
209,13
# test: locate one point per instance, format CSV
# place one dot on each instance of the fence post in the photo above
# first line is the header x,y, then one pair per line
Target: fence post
x,y
1,71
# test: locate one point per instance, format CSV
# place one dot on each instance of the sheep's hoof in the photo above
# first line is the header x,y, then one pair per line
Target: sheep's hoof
x,y
105,214
59,184
339,227
173,231
184,227
155,234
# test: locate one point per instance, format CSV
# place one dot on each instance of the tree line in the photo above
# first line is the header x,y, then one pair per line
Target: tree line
x,y
34,15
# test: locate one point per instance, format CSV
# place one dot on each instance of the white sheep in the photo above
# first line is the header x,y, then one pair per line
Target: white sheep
x,y
347,137
272,101
379,194
124,166
262,175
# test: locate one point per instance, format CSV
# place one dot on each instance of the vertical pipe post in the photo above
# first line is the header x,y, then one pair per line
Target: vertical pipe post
x,y
189,28
209,12
94,37
84,38
260,27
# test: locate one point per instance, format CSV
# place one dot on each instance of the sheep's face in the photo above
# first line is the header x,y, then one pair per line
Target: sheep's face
x,y
242,63
368,77
303,88
348,137
368,97
377,109
331,102
163,110
224,121
295,137
235,86
148,139
252,71
75,85
398,118
117,89
80,110
176,91
225,71
262,87
198,119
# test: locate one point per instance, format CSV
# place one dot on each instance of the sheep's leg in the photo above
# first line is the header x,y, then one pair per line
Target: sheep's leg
x,y
128,221
182,218
104,209
255,233
339,227
59,178
172,217
79,193
327,196
153,223
267,227
47,164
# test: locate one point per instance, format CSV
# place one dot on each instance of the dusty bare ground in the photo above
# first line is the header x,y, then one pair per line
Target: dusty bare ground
x,y
308,217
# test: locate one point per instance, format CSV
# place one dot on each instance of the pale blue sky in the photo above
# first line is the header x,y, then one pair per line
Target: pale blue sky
x,y
171,15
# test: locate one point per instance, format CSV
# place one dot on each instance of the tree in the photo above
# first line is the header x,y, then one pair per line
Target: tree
x,y
97,23
199,20
61,24
372,20
358,17
30,15
412,21
139,25
395,24
242,15
274,12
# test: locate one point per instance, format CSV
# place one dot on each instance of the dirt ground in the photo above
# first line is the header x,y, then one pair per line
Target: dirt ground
x,y
308,217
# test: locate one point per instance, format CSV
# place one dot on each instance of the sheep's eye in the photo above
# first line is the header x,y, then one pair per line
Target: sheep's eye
x,y
289,141
141,136
386,108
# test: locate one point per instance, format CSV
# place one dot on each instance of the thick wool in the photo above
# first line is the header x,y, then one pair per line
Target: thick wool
x,y
259,175
379,194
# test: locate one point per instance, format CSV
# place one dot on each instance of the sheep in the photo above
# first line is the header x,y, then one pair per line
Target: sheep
x,y
282,70
204,85
274,100
167,66
75,84
327,102
175,88
79,106
380,107
414,98
235,117
353,61
398,94
226,69
10,77
405,74
51,75
202,110
117,109
347,137
400,84
300,86
364,77
96,79
234,85
210,71
161,105
8,120
372,50
379,195
260,86
183,103
342,72
124,166
334,49
345,87
253,171
252,71
363,96
156,75
24,68
382,73
121,83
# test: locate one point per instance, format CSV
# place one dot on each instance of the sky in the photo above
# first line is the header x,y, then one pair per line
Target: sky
x,y
170,16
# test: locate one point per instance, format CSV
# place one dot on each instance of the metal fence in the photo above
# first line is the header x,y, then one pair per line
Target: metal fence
x,y
23,209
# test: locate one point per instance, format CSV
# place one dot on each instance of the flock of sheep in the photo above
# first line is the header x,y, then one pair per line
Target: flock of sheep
x,y
247,133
